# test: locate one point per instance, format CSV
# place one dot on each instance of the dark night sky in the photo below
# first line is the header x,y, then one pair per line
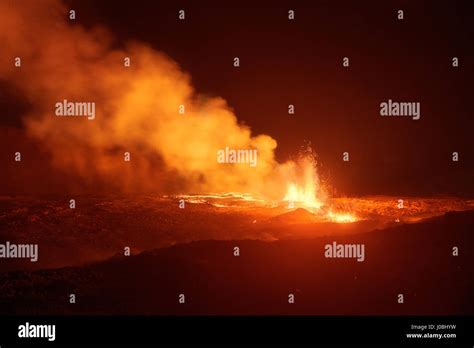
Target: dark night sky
x,y
300,62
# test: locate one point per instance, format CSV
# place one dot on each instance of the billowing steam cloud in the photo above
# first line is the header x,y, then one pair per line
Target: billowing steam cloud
x,y
137,110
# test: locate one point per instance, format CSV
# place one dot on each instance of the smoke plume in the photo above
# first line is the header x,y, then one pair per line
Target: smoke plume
x,y
137,110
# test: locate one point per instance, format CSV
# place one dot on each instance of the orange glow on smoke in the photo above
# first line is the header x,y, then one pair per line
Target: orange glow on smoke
x,y
137,112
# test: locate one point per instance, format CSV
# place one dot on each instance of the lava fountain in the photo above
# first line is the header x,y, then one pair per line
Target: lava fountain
x,y
304,190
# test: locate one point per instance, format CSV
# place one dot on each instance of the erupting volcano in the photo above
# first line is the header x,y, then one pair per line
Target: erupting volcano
x,y
305,191
134,185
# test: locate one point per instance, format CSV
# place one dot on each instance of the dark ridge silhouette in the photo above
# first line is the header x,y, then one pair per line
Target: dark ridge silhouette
x,y
413,259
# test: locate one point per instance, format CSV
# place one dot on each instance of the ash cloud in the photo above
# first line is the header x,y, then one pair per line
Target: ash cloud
x,y
136,110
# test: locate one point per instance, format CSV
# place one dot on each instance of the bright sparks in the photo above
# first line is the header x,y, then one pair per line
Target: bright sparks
x,y
304,190
305,196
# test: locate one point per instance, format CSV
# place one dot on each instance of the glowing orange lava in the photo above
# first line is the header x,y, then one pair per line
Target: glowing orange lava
x,y
341,217
304,189
305,196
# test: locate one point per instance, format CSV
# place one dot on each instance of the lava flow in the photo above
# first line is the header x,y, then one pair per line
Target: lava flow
x,y
305,191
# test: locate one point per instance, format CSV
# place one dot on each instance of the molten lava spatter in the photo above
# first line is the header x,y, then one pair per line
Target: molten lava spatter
x,y
302,196
304,189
